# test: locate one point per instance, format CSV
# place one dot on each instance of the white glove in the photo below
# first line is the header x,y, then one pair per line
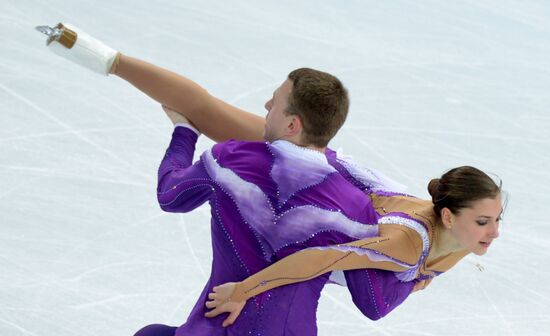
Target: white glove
x,y
85,51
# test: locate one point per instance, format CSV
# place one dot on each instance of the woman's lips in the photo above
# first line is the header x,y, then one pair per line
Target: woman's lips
x,y
485,244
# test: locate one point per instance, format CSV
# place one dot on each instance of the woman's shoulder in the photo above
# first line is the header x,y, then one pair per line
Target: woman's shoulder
x,y
414,217
406,236
390,202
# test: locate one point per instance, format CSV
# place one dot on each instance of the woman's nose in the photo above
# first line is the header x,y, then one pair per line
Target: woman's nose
x,y
494,233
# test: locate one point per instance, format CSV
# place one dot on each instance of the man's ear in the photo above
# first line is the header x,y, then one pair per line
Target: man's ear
x,y
294,126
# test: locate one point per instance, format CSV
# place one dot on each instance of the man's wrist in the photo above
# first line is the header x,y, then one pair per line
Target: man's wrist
x,y
188,126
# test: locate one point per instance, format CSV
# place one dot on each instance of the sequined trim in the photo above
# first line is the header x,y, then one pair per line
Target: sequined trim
x,y
167,198
371,178
373,295
297,168
411,224
302,152
422,231
304,222
385,193
277,231
218,219
373,255
250,200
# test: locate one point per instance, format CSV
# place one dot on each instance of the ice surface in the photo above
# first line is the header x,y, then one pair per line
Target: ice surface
x,y
84,248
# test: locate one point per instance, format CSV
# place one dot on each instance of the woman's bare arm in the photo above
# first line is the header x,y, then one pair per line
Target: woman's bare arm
x,y
216,119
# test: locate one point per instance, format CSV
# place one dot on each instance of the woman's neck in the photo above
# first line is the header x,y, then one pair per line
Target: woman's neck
x,y
444,243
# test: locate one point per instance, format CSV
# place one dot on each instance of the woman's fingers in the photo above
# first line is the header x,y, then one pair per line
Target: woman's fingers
x,y
419,286
214,312
231,318
211,304
219,303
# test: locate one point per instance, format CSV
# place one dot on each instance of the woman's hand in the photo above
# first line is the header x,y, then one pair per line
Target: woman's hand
x,y
220,302
420,285
174,116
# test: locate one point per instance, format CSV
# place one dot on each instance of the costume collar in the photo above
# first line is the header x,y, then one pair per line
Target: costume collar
x,y
302,152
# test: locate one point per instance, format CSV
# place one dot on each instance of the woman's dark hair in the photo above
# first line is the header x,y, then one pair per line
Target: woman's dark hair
x,y
460,187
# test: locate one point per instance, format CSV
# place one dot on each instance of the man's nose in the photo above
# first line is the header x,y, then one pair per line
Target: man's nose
x,y
268,105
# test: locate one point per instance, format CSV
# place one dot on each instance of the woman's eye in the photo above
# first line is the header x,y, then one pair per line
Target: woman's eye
x,y
481,222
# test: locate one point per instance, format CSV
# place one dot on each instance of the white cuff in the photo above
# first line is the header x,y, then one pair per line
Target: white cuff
x,y
188,126
88,52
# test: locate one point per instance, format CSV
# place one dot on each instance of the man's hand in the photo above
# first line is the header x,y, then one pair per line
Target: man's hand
x,y
175,116
221,303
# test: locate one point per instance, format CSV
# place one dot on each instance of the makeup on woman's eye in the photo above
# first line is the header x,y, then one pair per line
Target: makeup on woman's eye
x,y
481,222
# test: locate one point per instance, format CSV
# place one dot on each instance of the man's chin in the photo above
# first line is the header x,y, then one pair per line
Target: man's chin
x,y
268,137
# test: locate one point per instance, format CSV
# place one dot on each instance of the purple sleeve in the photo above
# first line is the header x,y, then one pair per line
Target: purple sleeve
x,y
182,186
376,292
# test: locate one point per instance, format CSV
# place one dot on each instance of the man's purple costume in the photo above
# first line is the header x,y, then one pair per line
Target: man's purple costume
x,y
268,201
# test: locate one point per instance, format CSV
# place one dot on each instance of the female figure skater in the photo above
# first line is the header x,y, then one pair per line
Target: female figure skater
x,y
415,240
463,217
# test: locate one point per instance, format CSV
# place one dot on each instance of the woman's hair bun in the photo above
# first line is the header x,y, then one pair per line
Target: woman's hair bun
x,y
460,187
433,189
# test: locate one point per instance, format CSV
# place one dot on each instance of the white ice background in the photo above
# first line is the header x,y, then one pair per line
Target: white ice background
x,y
85,249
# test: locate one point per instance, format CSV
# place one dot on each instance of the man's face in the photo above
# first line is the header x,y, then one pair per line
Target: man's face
x,y
276,120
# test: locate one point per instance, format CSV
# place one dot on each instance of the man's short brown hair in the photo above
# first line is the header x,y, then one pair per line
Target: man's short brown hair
x,y
321,101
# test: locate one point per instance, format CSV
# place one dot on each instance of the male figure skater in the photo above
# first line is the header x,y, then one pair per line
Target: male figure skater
x,y
269,200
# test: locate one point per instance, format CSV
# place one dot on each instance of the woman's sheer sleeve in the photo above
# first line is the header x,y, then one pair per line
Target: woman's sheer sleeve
x,y
396,249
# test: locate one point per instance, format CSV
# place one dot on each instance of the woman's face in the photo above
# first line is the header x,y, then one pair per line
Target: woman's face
x,y
476,227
